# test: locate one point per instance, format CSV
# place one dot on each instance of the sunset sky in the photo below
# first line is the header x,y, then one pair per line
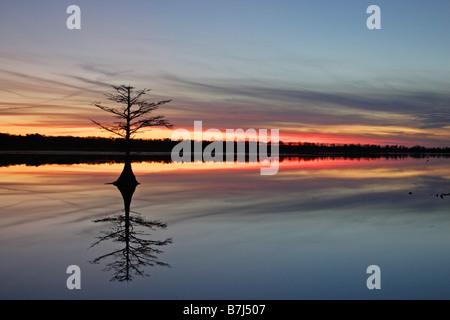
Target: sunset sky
x,y
311,69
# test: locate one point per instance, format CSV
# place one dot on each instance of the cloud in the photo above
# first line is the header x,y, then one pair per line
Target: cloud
x,y
34,82
99,70
425,109
89,81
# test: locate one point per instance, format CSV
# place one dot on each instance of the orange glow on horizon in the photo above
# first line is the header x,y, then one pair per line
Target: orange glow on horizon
x,y
289,169
163,133
328,135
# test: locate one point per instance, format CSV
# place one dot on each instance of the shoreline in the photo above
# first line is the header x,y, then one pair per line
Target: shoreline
x,y
44,157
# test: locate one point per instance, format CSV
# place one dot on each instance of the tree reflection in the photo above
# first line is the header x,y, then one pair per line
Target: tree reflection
x,y
131,230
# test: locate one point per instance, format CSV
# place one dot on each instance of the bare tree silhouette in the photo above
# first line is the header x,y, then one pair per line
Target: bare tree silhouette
x,y
134,113
131,230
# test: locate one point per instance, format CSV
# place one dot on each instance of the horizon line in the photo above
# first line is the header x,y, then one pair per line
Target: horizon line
x,y
245,140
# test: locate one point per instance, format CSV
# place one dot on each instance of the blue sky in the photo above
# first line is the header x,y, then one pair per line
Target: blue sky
x,y
309,68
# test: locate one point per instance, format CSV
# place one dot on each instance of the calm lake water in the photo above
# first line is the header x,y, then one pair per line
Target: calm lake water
x,y
210,231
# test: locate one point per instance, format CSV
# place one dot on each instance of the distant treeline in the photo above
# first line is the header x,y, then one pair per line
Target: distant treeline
x,y
38,142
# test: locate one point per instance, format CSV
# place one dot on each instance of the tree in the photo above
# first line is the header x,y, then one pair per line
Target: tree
x,y
134,113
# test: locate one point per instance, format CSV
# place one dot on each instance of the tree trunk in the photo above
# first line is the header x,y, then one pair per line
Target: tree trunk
x,y
127,137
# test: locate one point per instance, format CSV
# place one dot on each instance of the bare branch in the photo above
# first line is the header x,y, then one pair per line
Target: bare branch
x,y
113,129
138,95
108,109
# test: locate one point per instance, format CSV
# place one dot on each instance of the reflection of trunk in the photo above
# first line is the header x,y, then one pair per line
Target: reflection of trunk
x,y
126,184
127,238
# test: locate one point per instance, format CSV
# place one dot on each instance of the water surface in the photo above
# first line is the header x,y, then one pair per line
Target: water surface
x,y
211,231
